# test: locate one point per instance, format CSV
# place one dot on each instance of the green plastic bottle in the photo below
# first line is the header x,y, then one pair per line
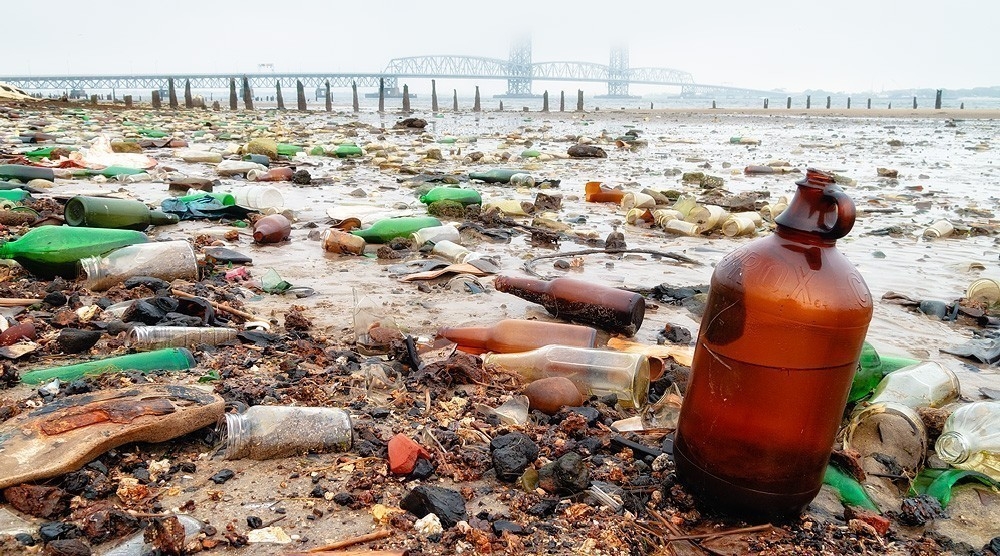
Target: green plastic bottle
x,y
285,149
50,251
25,173
152,133
170,359
347,150
123,214
226,199
464,196
389,228
496,175
109,172
872,367
46,152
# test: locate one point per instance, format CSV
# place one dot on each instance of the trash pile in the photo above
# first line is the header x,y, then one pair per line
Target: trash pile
x,y
285,333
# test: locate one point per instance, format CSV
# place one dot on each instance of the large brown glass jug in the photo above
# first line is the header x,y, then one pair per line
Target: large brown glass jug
x,y
777,349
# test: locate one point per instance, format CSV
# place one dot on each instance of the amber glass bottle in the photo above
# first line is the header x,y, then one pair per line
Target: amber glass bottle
x,y
778,347
514,335
596,192
273,228
608,308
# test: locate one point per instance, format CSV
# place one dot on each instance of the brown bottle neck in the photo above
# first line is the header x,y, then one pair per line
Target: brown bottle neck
x,y
535,291
467,336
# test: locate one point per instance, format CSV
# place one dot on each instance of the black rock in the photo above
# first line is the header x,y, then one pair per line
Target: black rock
x,y
993,546
422,470
222,476
502,525
58,530
224,255
591,414
254,522
154,284
55,299
379,412
318,491
74,340
445,503
586,151
301,177
917,511
543,508
68,547
589,444
676,334
24,539
143,311
568,474
512,454
343,498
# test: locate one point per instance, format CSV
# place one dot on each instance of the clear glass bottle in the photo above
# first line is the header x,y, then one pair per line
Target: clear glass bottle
x,y
136,545
927,384
971,438
267,432
167,260
451,251
435,234
337,241
595,372
156,337
522,179
495,175
515,335
608,308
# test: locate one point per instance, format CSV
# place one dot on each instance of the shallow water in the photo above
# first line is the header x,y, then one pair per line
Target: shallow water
x,y
947,166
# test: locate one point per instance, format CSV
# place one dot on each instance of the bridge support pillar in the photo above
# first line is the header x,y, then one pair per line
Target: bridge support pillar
x,y
406,98
545,101
281,100
434,97
476,106
454,100
300,94
562,101
247,94
172,93
188,99
579,100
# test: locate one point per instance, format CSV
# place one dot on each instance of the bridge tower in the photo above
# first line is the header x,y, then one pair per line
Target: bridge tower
x,y
618,72
519,84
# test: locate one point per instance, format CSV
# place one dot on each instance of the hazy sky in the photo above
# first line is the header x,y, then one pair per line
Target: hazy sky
x,y
838,45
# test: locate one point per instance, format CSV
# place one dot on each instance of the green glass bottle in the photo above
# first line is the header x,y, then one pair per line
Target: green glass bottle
x,y
123,214
347,150
226,199
152,133
459,195
285,149
110,171
50,251
872,367
496,175
389,228
25,173
169,359
15,195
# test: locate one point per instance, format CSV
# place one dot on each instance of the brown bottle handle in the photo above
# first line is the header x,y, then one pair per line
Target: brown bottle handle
x,y
846,213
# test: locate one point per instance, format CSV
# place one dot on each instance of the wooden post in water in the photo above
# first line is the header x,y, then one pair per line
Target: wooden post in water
x,y
713,105
765,104
848,103
961,106
869,103
937,99
545,101
476,106
501,106
788,103
355,107
247,94
454,101
579,100
808,101
914,103
889,107
406,99
188,100
128,101
281,99
233,99
93,100
434,96
562,101
156,100
300,91
381,95
172,93
828,102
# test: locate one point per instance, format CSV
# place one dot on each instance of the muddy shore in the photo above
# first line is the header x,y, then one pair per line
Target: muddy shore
x,y
945,165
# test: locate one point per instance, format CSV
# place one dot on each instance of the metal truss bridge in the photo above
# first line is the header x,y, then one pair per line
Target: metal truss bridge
x,y
519,72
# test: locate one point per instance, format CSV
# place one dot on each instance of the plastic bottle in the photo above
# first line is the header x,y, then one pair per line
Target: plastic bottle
x,y
267,432
435,234
459,195
605,307
777,350
283,173
940,228
514,335
595,372
156,337
706,217
123,214
170,359
193,195
511,207
596,192
273,228
971,438
451,251
50,251
496,175
741,224
926,384
15,195
389,228
261,159
25,173
167,260
347,150
637,200
258,196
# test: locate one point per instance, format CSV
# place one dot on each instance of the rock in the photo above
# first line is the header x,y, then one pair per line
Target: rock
x,y
428,526
502,525
39,501
879,523
74,340
126,147
57,530
222,476
586,151
887,172
447,504
917,511
67,547
512,453
403,454
411,123
422,470
590,414
568,474
16,333
301,177
549,395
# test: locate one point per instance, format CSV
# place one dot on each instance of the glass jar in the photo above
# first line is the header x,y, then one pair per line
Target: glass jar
x,y
273,431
